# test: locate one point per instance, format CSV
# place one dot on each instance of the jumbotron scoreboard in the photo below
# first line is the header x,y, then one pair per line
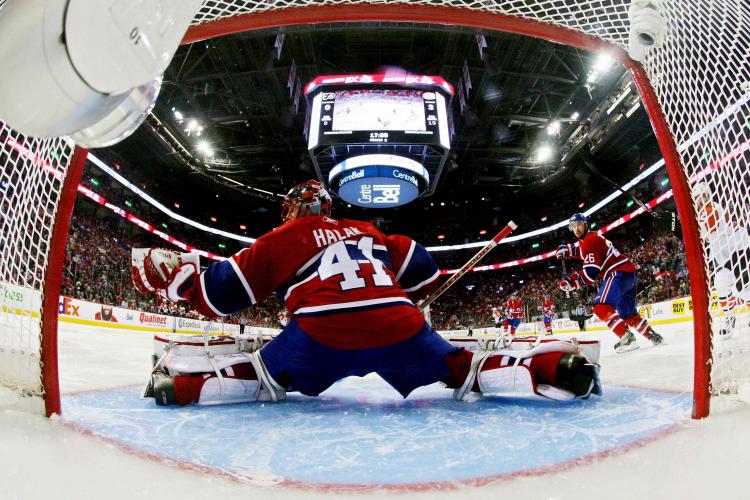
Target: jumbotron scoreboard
x,y
379,141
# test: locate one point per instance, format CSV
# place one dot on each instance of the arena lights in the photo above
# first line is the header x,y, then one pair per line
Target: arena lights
x,y
145,196
602,64
554,128
205,148
735,152
543,153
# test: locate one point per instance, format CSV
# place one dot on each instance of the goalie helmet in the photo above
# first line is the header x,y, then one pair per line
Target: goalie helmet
x,y
305,199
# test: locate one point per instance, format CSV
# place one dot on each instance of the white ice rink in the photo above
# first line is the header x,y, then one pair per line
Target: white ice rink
x,y
41,458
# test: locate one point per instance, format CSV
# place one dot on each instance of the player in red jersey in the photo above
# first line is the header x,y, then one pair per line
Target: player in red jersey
x,y
513,314
348,289
548,310
615,303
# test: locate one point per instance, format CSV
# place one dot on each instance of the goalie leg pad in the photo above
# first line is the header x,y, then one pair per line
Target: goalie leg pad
x,y
555,370
228,390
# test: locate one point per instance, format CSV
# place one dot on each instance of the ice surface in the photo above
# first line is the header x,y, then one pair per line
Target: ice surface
x,y
40,458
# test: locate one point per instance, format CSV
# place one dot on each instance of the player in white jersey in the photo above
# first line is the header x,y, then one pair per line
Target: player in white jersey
x,y
727,243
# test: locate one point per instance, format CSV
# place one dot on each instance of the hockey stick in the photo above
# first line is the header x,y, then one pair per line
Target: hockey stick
x,y
565,275
466,267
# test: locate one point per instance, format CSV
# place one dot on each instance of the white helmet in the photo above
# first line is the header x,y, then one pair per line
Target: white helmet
x,y
700,189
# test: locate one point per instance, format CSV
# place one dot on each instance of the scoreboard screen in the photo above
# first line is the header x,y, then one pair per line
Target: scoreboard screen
x,y
378,113
367,109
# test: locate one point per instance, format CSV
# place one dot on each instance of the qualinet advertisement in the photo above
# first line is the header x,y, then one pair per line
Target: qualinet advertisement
x,y
101,315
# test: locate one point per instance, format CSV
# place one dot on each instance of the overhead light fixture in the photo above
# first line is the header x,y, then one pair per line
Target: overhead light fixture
x,y
178,115
553,128
633,109
205,148
544,153
603,62
575,115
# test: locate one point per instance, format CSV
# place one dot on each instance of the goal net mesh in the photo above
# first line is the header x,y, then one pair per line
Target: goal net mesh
x,y
31,181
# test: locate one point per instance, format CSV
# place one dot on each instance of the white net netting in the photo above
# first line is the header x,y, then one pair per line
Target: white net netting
x,y
31,180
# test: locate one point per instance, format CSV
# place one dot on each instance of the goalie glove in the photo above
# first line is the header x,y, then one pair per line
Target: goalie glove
x,y
564,251
164,272
572,282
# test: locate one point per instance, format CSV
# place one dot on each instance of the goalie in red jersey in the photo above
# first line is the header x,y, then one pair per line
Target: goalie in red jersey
x,y
615,303
349,291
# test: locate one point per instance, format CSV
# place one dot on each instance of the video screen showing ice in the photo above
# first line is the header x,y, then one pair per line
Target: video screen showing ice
x,y
359,110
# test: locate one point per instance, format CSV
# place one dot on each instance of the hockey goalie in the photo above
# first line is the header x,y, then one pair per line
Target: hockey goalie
x,y
349,291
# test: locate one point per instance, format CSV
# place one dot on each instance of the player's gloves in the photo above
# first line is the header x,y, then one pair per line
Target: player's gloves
x,y
564,251
570,283
164,272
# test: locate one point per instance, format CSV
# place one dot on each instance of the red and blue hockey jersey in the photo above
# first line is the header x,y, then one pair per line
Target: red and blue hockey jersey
x,y
344,281
600,258
514,308
548,308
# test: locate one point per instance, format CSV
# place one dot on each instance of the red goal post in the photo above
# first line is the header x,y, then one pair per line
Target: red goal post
x,y
692,87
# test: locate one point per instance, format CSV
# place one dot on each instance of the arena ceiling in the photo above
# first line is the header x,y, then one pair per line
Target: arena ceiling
x,y
237,88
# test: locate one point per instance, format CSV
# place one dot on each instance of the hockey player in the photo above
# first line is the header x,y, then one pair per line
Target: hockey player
x,y
615,303
727,245
349,290
496,318
548,310
513,315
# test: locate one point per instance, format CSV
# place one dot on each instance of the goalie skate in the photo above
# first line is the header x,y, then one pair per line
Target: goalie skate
x,y
727,327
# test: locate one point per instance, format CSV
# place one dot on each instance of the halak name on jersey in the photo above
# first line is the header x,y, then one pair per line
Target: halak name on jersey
x,y
336,277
